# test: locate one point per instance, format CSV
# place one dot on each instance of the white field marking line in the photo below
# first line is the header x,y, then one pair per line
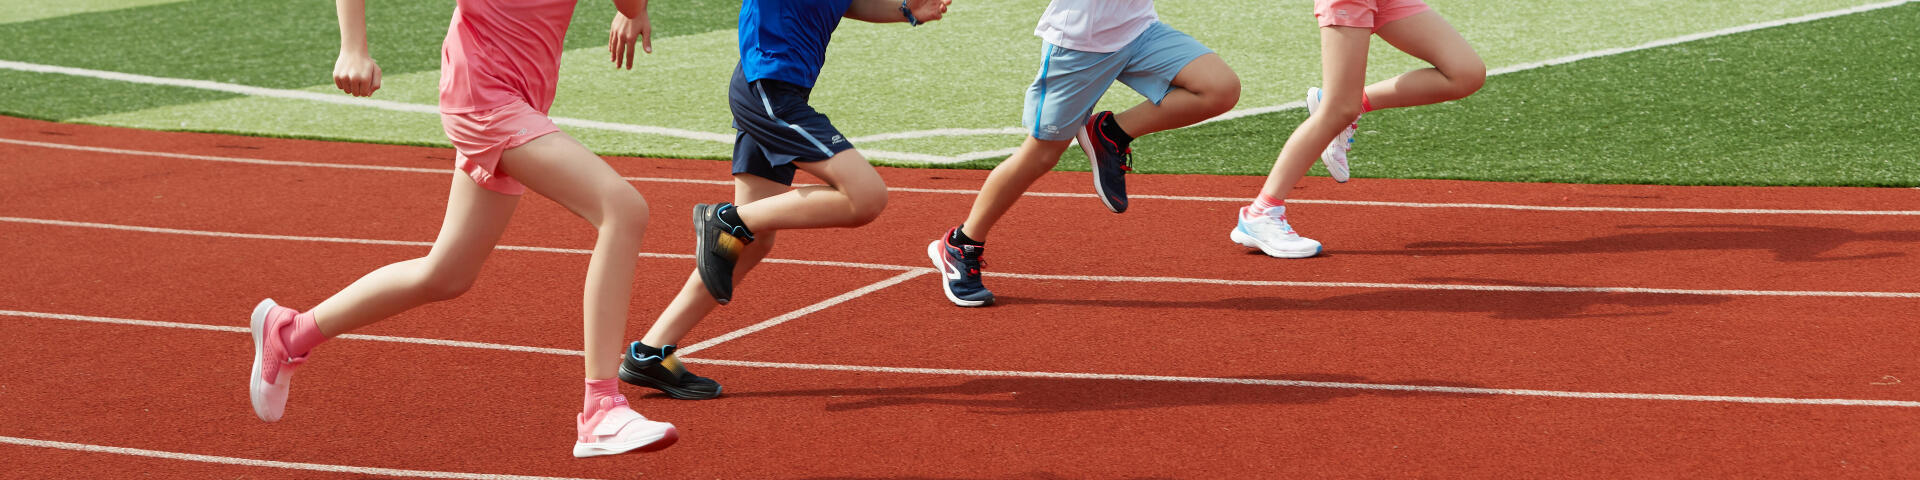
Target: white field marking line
x,y
1313,384
1243,113
803,311
1054,375
1495,206
1024,276
342,99
317,467
916,157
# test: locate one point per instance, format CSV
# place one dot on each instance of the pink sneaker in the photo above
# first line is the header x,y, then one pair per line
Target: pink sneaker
x,y
615,428
272,368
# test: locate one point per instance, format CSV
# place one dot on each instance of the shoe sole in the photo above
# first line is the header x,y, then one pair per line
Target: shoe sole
x,y
256,389
641,380
700,212
940,265
1093,164
1250,242
655,444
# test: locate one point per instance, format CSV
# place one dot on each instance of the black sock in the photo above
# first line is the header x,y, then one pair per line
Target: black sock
x,y
730,214
960,238
1111,128
642,350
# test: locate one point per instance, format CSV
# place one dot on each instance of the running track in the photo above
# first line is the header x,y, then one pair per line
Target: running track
x,y
1452,328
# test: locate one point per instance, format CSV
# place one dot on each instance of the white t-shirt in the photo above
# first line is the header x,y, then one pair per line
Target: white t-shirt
x,y
1095,25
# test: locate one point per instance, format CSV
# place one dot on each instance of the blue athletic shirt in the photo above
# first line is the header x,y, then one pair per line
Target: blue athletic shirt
x,y
786,40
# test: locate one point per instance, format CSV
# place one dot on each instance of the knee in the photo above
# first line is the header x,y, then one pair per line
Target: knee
x,y
867,205
1341,112
1222,96
441,285
625,214
1467,79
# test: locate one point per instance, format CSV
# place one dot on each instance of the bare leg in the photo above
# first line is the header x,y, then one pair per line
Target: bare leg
x,y
560,168
475,219
1009,180
853,196
1457,71
694,303
1343,71
1204,88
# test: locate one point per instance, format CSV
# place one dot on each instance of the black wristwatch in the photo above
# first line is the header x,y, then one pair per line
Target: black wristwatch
x,y
909,13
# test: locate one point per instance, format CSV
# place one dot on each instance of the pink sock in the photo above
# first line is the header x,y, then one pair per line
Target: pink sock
x,y
598,389
301,335
1366,105
1264,202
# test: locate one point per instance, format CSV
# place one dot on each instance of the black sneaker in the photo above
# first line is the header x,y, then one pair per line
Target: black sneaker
x,y
664,373
1110,163
716,247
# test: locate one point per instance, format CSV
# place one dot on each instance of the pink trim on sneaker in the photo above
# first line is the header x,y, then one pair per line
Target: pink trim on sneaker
x,y
302,334
278,356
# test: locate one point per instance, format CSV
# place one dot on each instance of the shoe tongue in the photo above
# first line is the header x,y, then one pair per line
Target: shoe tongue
x,y
1277,211
667,351
972,250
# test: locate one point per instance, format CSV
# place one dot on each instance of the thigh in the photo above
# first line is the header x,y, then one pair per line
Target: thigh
x,y
849,172
748,188
1070,82
1343,64
1429,37
560,168
1163,58
476,218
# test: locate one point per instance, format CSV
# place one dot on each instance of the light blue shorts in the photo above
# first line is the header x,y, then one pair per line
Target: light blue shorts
x,y
1072,81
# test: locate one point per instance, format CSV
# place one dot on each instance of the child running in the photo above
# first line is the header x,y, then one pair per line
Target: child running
x,y
1333,114
1089,44
783,44
499,66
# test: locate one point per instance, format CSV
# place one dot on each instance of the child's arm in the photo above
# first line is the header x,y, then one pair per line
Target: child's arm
x,y
629,23
889,11
354,72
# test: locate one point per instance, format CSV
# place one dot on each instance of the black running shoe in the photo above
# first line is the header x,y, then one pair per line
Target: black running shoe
x,y
717,246
960,268
664,373
1110,163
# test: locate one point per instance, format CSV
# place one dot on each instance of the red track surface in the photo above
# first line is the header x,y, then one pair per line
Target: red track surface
x,y
460,409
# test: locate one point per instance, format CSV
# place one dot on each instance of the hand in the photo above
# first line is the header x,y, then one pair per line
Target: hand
x,y
356,74
928,10
620,38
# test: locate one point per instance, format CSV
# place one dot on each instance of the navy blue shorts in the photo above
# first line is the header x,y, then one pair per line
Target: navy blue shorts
x,y
775,127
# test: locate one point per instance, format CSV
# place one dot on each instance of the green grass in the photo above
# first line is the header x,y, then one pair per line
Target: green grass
x,y
969,72
1829,102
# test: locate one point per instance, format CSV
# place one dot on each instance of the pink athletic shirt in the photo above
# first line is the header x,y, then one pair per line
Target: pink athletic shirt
x,y
502,51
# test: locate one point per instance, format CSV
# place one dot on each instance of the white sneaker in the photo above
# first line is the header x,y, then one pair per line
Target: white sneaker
x,y
1335,155
1269,232
615,428
272,367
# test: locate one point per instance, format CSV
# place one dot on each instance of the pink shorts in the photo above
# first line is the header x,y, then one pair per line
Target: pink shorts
x,y
480,137
1368,14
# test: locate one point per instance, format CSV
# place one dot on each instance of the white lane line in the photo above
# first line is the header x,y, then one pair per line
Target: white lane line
x,y
803,311
1056,375
249,462
1329,385
952,191
1024,276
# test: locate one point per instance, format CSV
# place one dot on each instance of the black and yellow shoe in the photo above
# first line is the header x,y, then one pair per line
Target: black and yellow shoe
x,y
664,372
717,246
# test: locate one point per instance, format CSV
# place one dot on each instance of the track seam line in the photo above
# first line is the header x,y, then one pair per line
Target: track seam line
x,y
249,462
1053,375
1023,276
1370,203
803,311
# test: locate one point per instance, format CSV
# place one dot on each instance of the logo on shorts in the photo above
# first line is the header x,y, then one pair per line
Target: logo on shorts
x,y
1051,129
838,139
521,132
1341,12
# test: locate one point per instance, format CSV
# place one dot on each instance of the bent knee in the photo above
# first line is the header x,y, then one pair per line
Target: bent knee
x,y
867,206
1468,79
441,286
